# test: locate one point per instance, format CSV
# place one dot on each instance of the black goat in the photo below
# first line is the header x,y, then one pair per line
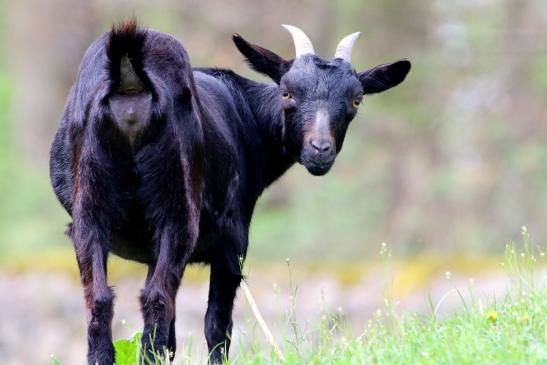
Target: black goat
x,y
163,164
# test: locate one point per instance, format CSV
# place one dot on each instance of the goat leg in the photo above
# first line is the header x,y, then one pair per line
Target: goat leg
x,y
92,256
224,281
171,340
158,296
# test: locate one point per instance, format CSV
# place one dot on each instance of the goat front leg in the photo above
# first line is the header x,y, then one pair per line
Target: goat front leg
x,y
158,296
224,282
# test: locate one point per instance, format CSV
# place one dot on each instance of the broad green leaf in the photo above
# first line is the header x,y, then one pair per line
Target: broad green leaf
x,y
127,350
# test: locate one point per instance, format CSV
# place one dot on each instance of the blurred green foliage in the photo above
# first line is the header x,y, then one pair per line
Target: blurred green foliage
x,y
451,161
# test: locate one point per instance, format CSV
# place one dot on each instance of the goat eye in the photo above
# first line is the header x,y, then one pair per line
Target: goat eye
x,y
356,103
286,95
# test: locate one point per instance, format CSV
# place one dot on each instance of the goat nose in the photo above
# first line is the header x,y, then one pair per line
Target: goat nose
x,y
321,145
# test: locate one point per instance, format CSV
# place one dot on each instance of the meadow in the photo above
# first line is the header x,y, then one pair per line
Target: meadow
x,y
511,329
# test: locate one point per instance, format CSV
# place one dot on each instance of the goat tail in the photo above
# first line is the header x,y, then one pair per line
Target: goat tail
x,y
125,53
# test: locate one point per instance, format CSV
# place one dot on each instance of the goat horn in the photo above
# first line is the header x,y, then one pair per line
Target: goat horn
x,y
345,47
302,43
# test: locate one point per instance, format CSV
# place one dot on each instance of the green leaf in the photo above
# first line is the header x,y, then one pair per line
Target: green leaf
x,y
54,361
127,350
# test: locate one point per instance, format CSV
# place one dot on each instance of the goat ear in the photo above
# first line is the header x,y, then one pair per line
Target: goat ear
x,y
383,77
262,60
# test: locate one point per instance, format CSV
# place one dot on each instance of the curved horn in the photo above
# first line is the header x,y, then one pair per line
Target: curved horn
x,y
345,47
302,43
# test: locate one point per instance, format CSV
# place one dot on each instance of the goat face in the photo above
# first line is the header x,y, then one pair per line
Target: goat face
x,y
319,100
319,97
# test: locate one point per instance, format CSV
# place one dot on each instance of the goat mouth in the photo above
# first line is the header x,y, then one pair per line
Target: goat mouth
x,y
317,168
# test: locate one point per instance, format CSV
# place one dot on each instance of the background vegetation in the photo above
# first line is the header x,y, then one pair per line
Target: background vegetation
x,y
451,161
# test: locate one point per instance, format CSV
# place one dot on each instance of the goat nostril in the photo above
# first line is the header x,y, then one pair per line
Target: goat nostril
x,y
321,145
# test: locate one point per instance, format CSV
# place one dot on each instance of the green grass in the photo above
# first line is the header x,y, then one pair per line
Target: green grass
x,y
508,330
